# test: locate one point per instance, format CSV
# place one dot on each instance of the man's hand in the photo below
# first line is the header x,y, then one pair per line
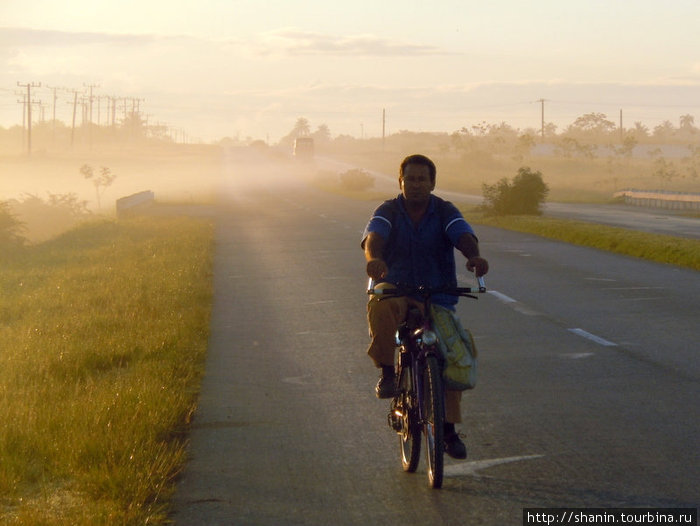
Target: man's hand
x,y
478,265
469,246
376,269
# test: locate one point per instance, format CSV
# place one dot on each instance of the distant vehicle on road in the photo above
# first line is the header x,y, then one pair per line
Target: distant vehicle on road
x,y
304,148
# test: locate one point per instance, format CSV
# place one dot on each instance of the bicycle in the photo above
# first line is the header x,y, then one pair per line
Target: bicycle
x,y
418,406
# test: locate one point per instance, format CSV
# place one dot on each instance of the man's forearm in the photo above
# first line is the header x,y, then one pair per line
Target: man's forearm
x,y
468,246
374,247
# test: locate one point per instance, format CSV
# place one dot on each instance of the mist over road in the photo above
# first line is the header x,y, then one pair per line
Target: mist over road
x,y
588,389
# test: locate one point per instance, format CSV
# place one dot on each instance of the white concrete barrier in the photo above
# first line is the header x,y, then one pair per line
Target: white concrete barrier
x,y
133,203
661,199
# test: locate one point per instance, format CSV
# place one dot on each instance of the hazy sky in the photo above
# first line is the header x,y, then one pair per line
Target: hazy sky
x,y
252,67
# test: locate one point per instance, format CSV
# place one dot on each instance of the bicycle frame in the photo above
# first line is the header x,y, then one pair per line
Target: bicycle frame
x,y
418,351
415,412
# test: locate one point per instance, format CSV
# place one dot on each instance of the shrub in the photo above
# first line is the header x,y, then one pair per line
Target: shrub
x,y
356,180
10,227
43,219
523,196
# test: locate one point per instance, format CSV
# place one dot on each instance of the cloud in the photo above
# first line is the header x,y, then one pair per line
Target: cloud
x,y
13,37
297,42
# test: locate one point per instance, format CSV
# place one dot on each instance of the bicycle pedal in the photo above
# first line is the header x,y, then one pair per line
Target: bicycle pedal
x,y
395,418
394,421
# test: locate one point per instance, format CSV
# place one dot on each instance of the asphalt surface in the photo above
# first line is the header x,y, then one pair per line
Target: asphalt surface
x,y
658,221
588,391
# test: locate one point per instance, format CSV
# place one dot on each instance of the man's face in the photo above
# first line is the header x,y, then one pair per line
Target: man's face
x,y
415,184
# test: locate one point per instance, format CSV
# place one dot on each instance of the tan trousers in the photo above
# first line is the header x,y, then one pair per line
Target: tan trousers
x,y
384,317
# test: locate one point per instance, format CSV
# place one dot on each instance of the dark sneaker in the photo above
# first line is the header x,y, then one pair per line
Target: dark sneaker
x,y
386,386
455,447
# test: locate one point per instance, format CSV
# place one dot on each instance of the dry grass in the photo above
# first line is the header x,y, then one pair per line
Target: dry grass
x,y
104,333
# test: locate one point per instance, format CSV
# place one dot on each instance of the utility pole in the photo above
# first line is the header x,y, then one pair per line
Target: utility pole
x,y
113,99
29,86
383,126
23,102
90,99
53,120
111,109
542,101
135,125
622,130
42,109
75,109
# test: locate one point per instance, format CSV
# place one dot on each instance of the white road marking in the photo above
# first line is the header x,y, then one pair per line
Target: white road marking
x,y
297,380
473,467
642,299
519,307
577,355
593,337
524,309
633,288
502,297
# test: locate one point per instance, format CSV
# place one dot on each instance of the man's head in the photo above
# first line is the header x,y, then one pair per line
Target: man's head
x,y
417,179
420,160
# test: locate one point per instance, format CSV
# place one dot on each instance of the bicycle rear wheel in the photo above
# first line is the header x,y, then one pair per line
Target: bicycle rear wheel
x,y
434,420
409,436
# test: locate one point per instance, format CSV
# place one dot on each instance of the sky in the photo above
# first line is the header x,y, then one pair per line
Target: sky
x,y
251,68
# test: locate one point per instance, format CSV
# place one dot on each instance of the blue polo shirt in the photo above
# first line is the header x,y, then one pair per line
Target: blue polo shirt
x,y
420,255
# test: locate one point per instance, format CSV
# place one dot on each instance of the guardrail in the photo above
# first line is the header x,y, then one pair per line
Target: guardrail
x,y
134,203
661,199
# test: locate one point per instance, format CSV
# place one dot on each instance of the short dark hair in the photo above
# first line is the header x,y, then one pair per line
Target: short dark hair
x,y
419,159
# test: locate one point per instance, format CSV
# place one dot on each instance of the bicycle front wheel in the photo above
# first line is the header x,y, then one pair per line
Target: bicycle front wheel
x,y
433,420
409,436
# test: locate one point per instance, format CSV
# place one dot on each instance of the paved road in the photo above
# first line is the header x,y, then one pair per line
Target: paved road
x,y
635,218
588,393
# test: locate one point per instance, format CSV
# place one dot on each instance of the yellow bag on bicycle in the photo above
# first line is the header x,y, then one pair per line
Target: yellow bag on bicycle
x,y
458,348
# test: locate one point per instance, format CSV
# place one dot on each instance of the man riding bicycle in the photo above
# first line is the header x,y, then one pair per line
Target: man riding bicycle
x,y
410,240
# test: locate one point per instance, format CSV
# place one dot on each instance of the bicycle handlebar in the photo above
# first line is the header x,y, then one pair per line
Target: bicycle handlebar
x,y
426,292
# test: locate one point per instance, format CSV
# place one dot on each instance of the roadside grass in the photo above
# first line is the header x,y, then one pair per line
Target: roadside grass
x,y
103,334
661,248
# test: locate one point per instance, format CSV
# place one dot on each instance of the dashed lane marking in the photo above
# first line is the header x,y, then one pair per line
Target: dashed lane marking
x,y
577,355
502,297
473,467
515,304
593,337
524,309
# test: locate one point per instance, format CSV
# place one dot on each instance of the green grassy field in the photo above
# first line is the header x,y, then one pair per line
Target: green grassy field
x,y
672,250
103,335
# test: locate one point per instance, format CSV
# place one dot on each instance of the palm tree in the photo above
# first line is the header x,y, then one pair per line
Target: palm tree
x,y
687,122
